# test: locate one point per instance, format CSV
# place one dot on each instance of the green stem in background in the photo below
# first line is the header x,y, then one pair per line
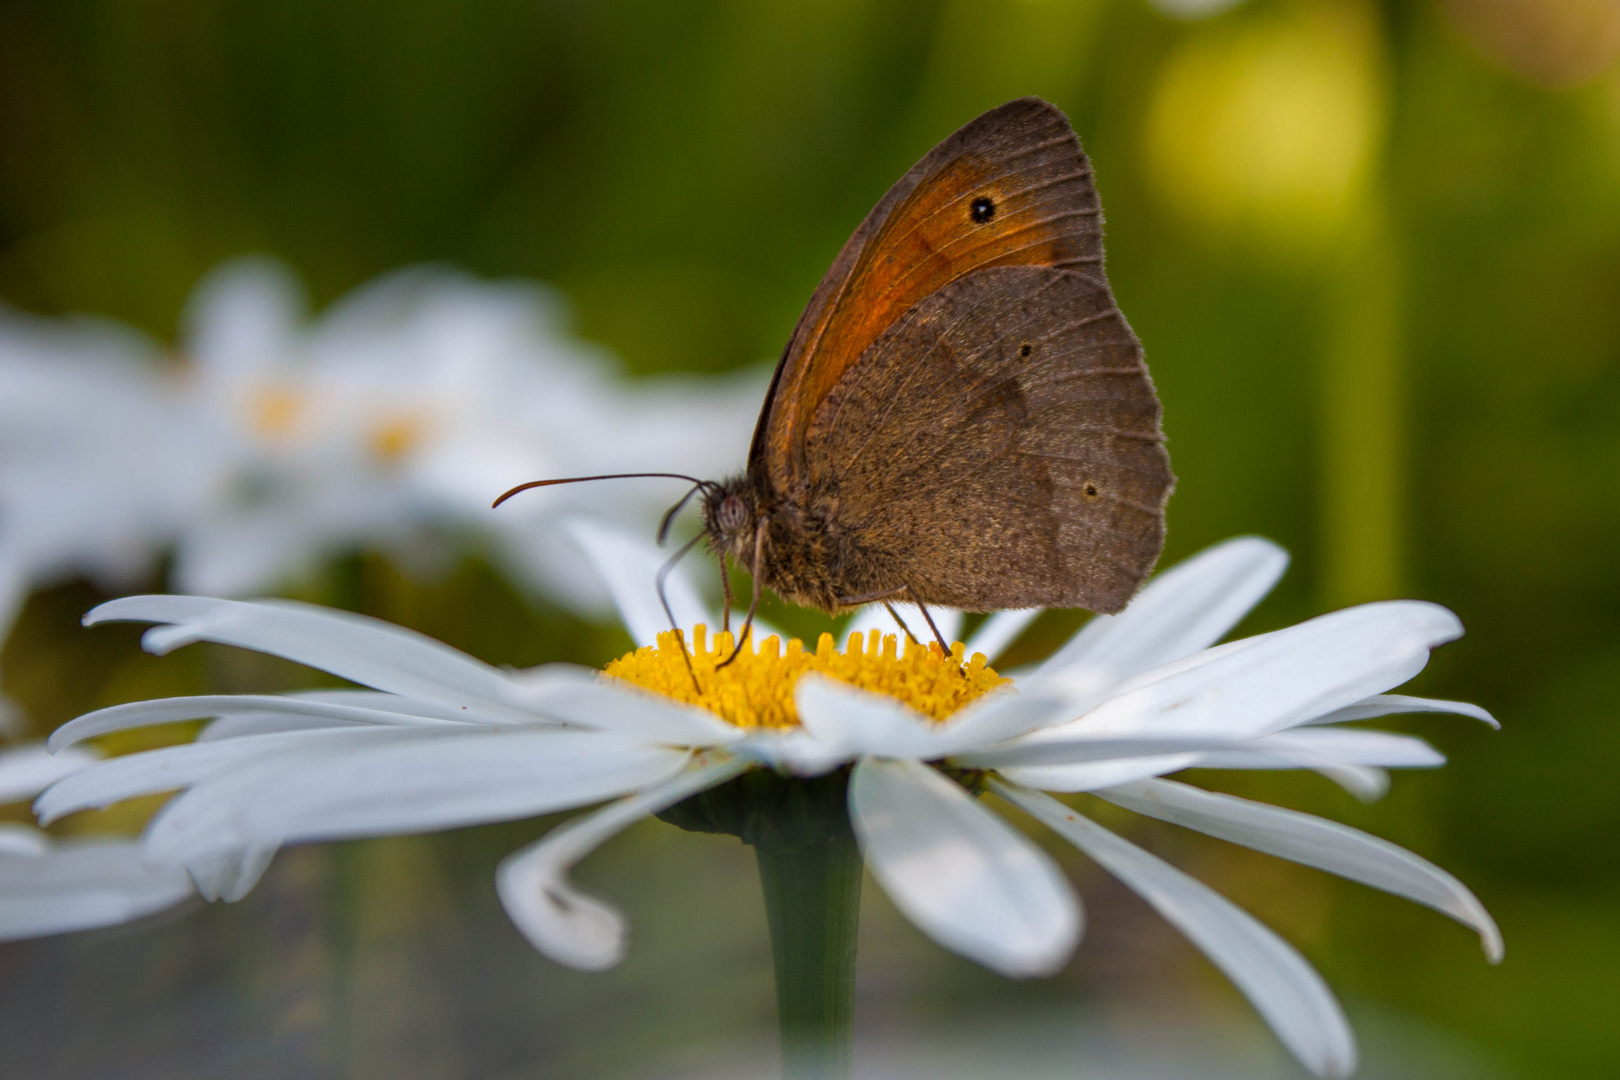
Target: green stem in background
x,y
810,867
813,901
1363,482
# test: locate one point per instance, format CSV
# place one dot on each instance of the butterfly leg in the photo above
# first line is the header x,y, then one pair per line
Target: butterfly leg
x,y
944,645
895,615
725,587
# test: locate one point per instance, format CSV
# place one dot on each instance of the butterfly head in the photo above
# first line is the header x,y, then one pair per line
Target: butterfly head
x,y
730,515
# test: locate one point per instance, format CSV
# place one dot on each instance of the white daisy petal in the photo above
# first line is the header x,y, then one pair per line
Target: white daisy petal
x,y
1310,748
1389,704
22,840
1272,975
1265,684
1366,782
401,710
1002,715
198,706
1088,776
27,770
568,925
171,768
1073,751
965,877
399,782
365,650
239,725
575,695
1187,608
82,885
629,567
231,876
999,631
852,723
1312,841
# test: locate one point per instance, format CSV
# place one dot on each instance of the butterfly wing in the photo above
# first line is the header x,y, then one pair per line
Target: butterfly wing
x,y
998,446
1012,188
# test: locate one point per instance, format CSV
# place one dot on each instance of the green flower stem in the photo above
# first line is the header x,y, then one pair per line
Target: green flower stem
x,y
810,866
813,901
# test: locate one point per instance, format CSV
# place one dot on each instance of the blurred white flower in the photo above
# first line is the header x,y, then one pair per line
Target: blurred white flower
x,y
406,408
47,888
443,740
99,458
390,422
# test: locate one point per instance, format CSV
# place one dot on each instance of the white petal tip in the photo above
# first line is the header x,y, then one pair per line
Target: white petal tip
x,y
571,928
1039,963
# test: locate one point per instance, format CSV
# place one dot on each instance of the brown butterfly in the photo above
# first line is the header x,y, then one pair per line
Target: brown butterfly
x,y
962,416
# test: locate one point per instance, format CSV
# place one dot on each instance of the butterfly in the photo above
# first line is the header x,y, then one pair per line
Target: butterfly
x,y
962,415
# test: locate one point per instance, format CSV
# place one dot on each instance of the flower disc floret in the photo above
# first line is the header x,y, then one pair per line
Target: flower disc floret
x,y
756,690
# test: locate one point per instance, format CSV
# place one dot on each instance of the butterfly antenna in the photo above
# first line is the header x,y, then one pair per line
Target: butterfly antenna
x,y
608,476
753,603
663,598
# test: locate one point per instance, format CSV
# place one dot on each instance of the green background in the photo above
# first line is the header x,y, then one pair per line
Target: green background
x,y
1374,255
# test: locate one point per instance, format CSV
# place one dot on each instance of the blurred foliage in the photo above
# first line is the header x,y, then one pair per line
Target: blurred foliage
x,y
1373,251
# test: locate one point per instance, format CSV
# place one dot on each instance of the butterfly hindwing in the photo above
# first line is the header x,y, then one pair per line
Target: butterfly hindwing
x,y
996,447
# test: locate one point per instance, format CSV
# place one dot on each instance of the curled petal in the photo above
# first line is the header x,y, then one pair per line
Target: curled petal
x,y
568,925
1272,975
966,878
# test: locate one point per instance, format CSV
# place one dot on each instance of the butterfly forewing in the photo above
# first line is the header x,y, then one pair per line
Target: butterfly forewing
x,y
1011,188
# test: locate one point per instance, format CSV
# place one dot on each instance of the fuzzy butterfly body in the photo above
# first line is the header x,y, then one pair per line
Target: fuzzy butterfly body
x,y
962,415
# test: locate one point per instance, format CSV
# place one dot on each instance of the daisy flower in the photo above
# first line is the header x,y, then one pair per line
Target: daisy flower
x,y
909,738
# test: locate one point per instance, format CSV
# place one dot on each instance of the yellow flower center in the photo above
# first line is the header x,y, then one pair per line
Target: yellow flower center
x,y
396,437
756,690
273,411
